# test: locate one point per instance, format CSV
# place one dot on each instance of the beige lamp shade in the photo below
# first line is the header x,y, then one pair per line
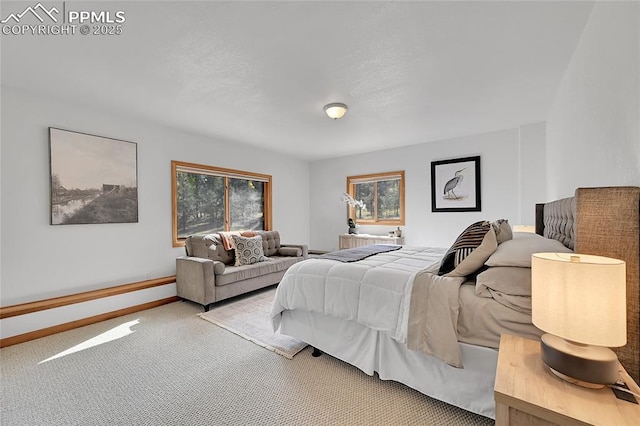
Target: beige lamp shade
x,y
581,298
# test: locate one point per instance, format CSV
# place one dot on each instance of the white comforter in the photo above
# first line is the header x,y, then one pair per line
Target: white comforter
x,y
375,292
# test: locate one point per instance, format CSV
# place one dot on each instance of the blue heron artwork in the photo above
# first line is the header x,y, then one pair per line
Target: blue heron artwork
x,y
452,183
455,185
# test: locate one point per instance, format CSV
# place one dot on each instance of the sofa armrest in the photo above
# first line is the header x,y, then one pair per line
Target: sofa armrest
x,y
302,247
195,279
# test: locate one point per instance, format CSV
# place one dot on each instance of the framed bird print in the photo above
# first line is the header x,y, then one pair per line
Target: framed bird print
x,y
455,185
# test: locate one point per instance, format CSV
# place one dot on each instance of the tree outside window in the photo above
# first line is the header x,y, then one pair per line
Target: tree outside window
x,y
382,195
210,199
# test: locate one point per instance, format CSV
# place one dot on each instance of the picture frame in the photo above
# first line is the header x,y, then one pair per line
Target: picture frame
x,y
455,185
93,179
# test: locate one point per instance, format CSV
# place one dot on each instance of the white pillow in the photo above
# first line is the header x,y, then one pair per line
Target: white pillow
x,y
518,251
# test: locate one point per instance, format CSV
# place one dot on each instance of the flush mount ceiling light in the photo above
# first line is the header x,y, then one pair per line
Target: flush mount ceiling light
x,y
335,110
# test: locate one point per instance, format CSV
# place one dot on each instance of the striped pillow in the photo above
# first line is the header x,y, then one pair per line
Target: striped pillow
x,y
469,240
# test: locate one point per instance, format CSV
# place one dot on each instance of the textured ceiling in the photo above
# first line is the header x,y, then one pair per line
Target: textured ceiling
x,y
261,72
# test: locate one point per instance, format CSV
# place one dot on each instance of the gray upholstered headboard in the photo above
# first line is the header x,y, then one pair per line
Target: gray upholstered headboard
x,y
606,222
556,220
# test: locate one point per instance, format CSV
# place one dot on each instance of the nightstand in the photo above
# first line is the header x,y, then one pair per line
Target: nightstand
x,y
528,393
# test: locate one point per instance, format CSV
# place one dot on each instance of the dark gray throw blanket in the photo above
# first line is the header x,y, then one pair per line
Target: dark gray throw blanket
x,y
359,253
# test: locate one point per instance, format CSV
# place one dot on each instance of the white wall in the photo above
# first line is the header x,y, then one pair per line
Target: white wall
x,y
40,261
500,179
593,128
533,171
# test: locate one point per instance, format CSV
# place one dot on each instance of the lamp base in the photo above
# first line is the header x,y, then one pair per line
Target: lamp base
x,y
582,365
576,381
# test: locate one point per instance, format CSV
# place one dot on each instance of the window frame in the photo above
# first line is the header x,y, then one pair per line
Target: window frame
x,y
377,177
227,174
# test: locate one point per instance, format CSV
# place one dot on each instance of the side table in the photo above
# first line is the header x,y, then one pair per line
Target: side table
x,y
528,393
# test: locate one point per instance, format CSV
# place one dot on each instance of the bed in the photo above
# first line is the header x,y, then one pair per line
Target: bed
x,y
369,312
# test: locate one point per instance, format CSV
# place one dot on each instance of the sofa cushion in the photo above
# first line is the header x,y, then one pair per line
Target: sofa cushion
x,y
290,251
248,250
196,246
218,267
216,251
284,262
270,242
233,274
208,246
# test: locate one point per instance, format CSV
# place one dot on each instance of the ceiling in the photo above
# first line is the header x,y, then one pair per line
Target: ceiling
x,y
260,73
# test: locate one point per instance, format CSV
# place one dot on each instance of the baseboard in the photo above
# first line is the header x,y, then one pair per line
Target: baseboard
x,y
21,338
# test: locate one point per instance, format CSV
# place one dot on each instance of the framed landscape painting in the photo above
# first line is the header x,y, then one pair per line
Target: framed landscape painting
x,y
455,185
94,179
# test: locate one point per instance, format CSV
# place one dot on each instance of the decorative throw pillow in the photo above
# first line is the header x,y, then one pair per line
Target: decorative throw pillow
x,y
474,261
248,250
503,230
469,240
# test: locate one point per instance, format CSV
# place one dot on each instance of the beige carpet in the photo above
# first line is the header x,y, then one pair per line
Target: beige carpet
x,y
166,366
248,317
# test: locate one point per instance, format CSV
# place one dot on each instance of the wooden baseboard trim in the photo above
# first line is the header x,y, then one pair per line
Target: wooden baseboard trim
x,y
56,302
21,338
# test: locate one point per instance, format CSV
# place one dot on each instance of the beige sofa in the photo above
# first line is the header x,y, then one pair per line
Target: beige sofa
x,y
207,273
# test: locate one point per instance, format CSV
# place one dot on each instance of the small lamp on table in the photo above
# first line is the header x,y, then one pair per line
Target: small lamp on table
x,y
579,300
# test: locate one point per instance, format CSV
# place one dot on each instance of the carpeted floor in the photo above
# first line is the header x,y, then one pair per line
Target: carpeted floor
x,y
166,366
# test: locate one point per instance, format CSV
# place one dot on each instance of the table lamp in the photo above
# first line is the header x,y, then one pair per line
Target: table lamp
x,y
580,301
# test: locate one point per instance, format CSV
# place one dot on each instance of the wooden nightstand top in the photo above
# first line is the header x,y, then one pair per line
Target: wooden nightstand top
x,y
525,384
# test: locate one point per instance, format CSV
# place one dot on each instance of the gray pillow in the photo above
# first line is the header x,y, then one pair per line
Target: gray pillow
x,y
503,230
248,250
518,251
510,280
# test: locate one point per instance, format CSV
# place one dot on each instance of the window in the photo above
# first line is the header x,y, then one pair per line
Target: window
x,y
210,199
382,195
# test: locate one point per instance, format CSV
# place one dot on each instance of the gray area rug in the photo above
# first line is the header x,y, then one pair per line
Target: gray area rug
x,y
248,317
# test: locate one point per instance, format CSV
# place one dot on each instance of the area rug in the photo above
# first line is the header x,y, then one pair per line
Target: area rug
x,y
248,317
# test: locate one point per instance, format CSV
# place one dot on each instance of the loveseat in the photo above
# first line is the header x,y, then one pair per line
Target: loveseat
x,y
207,274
